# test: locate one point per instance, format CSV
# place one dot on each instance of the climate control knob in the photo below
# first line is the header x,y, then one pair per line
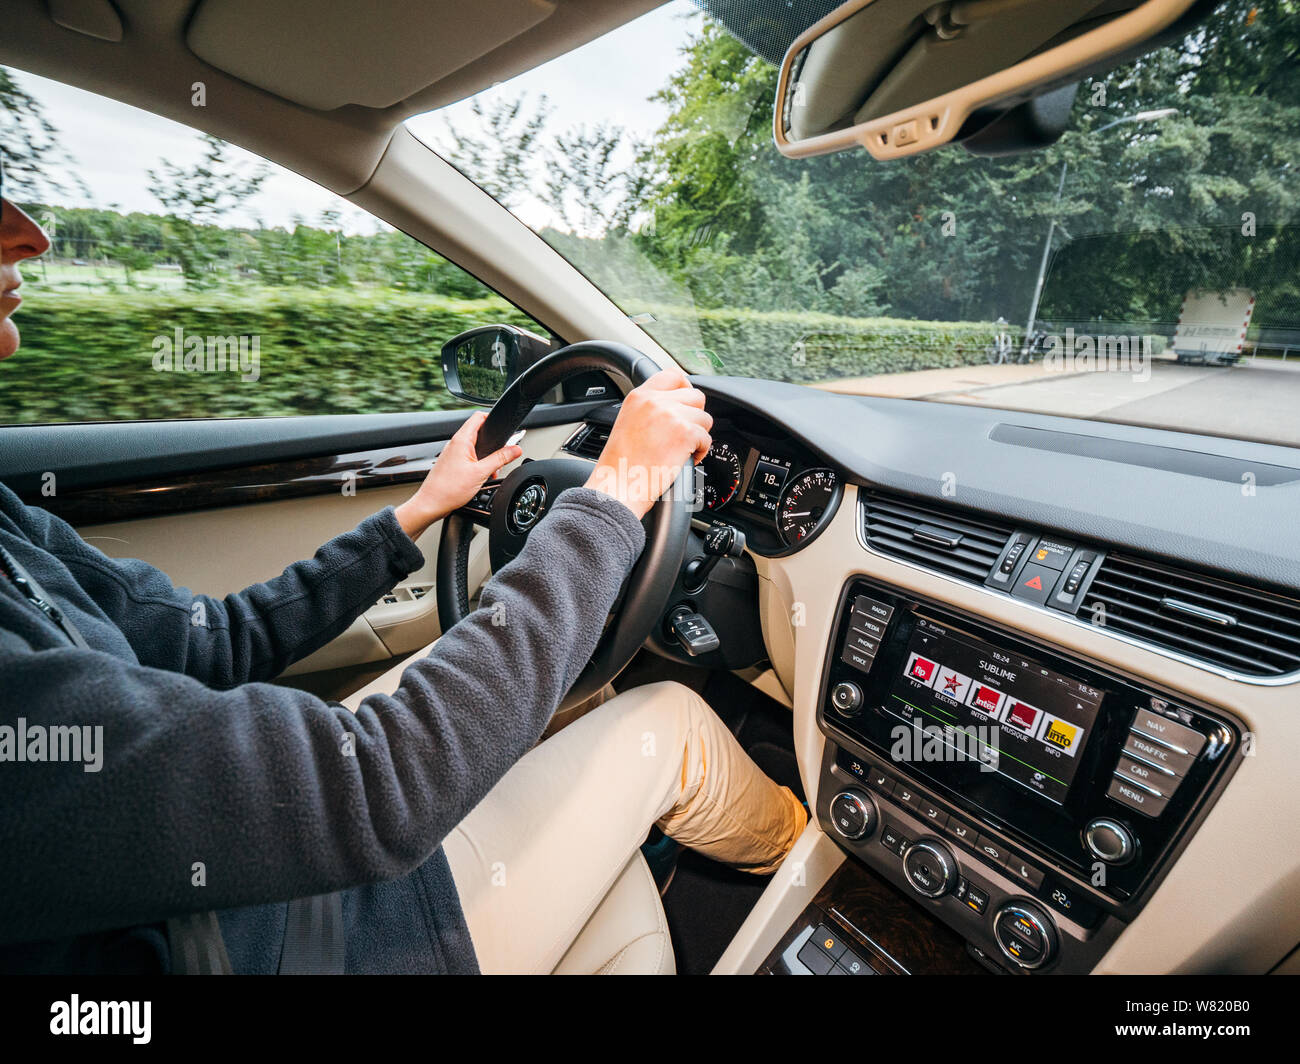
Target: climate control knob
x,y
853,814
846,697
1025,934
930,867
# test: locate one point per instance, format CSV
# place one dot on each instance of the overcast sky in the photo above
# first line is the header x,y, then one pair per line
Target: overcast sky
x,y
608,80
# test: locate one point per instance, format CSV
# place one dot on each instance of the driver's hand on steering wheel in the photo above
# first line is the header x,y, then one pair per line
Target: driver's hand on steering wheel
x,y
454,479
661,425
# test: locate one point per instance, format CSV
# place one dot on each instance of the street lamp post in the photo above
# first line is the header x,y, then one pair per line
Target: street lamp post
x,y
1141,116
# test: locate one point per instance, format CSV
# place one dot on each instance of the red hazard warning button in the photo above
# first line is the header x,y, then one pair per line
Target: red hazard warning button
x,y
1035,583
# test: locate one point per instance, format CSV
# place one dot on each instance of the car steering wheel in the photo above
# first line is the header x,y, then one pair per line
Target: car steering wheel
x,y
511,508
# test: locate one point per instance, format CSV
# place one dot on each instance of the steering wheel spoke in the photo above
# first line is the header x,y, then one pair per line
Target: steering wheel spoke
x,y
479,509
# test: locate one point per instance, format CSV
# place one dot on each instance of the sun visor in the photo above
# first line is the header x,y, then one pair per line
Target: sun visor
x,y
327,54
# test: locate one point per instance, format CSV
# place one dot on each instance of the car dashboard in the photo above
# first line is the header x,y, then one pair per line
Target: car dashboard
x,y
1031,698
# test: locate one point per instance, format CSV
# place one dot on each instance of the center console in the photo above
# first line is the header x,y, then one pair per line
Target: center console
x,y
1025,799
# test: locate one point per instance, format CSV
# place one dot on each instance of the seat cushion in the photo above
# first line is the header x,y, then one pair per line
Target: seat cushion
x,y
627,934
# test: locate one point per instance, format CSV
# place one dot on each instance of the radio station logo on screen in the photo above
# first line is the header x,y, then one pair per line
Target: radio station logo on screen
x,y
922,670
952,684
986,699
1022,716
1062,735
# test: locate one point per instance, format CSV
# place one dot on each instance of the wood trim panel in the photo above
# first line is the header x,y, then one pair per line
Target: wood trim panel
x,y
241,485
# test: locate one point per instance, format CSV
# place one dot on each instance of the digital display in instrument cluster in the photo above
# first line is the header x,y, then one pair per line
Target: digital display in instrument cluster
x,y
769,477
1023,720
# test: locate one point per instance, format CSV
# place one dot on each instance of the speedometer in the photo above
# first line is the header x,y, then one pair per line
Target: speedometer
x,y
721,475
806,500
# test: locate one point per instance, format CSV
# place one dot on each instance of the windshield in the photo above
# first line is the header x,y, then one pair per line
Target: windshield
x,y
1142,269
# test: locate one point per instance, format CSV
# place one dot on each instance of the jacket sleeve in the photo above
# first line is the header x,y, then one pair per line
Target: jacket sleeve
x,y
254,634
206,799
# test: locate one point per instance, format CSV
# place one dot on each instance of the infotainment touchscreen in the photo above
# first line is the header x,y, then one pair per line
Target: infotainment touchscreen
x,y
1031,724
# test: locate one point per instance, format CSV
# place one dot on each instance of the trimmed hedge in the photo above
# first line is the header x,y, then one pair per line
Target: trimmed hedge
x,y
90,356
807,347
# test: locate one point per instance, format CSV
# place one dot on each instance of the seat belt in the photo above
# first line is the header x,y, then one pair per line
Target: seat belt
x,y
197,946
313,936
313,940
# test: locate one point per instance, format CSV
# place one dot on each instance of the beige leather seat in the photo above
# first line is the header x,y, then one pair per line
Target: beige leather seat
x,y
627,934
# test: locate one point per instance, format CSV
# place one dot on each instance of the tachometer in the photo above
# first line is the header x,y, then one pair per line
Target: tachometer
x,y
804,503
722,470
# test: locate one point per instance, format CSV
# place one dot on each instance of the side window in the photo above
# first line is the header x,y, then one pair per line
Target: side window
x,y
189,279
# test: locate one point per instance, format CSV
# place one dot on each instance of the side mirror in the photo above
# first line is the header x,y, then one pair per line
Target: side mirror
x,y
480,364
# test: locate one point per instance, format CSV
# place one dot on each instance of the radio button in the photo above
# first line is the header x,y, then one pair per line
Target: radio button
x,y
1135,796
1158,753
869,607
1182,738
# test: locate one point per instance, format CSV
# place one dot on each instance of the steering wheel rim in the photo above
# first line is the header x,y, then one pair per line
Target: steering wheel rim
x,y
645,592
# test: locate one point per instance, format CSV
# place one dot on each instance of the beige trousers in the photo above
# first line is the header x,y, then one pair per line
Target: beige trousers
x,y
541,852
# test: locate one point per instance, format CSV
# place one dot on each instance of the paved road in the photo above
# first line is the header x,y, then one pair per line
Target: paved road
x,y
1259,400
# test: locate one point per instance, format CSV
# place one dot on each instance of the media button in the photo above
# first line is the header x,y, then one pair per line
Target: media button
x,y
866,626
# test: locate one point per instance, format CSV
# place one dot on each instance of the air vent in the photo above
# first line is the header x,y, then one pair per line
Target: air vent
x,y
944,540
1255,633
588,441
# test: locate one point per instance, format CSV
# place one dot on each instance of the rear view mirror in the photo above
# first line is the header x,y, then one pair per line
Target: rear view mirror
x,y
480,364
899,77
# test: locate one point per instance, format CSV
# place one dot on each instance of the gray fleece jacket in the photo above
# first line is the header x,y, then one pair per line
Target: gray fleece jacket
x,y
215,790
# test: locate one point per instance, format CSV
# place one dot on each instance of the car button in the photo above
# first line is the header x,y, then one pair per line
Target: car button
x,y
1170,732
1035,582
991,850
1158,754
828,940
1137,797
